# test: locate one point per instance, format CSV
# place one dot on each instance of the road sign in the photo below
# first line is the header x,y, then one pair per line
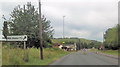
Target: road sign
x,y
63,42
15,38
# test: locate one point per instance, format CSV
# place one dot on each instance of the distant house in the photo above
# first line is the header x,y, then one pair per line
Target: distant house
x,y
57,45
60,46
69,47
101,47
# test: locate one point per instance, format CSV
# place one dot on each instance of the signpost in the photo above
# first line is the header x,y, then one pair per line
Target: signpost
x,y
15,38
63,42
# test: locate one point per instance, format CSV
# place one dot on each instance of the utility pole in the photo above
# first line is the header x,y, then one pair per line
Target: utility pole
x,y
103,36
40,26
63,27
103,41
1,52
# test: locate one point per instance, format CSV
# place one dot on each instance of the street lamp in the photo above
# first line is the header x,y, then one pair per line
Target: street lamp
x,y
63,27
103,41
1,30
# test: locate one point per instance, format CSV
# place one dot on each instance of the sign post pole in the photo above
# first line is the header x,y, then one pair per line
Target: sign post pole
x,y
24,45
25,55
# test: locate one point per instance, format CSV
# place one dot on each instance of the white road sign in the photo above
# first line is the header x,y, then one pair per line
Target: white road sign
x,y
15,38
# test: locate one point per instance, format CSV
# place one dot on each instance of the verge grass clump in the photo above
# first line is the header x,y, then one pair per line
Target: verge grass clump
x,y
30,56
111,52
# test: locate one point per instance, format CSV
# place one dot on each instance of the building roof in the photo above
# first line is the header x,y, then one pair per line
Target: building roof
x,y
68,45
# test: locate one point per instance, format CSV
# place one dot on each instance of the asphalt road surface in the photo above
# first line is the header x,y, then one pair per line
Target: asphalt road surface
x,y
90,58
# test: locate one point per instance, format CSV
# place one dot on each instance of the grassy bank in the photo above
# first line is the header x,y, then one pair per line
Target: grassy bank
x,y
111,52
31,57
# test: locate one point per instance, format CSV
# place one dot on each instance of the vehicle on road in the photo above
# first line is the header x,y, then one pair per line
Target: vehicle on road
x,y
84,51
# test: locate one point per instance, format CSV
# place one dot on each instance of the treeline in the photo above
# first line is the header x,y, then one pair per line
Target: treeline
x,y
24,20
67,38
80,42
111,38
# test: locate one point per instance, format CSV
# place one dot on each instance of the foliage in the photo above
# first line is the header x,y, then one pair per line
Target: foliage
x,y
25,21
111,38
118,35
5,29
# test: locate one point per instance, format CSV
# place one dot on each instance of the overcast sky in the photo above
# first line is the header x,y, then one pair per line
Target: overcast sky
x,y
84,18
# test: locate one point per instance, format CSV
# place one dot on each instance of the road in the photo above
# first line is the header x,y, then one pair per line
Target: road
x,y
90,58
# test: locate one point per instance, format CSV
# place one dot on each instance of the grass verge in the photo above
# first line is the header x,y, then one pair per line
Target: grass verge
x,y
31,56
111,52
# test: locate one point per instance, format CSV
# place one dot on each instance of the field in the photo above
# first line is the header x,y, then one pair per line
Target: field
x,y
17,56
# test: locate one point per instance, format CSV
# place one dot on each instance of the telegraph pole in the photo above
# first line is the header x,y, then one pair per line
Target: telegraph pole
x,y
63,27
40,26
103,36
103,41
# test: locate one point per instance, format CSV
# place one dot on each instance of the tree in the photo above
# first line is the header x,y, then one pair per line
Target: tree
x,y
91,44
118,27
5,29
111,38
25,21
